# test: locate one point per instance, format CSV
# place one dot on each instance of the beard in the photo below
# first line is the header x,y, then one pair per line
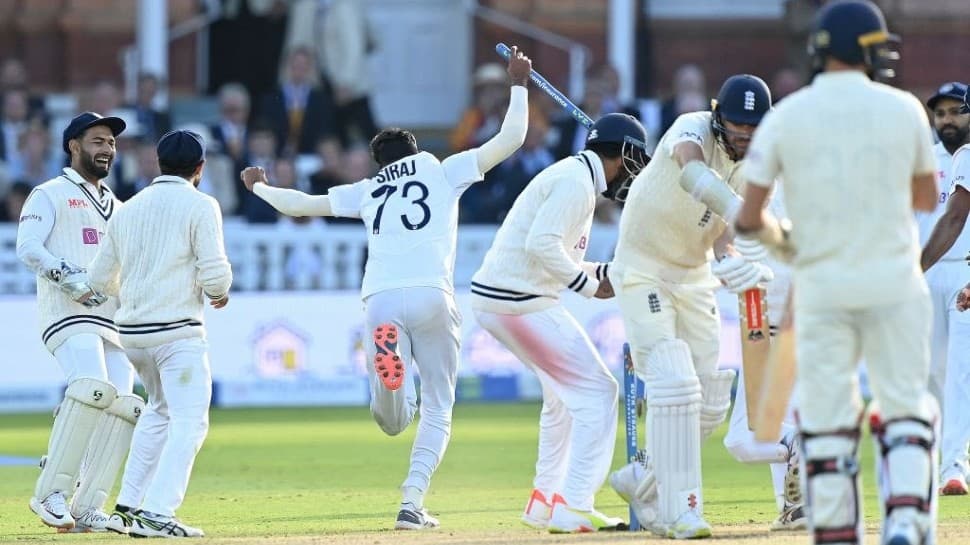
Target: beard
x,y
953,138
91,167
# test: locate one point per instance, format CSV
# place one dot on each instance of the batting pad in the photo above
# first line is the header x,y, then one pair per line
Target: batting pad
x,y
673,428
832,483
716,390
76,419
106,452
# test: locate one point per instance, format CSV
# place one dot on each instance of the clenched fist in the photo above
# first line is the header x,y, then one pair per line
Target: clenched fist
x,y
252,176
519,67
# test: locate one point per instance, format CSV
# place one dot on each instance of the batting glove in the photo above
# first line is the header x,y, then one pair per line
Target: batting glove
x,y
750,248
739,275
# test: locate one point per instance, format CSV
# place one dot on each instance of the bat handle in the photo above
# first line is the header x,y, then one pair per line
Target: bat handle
x,y
503,50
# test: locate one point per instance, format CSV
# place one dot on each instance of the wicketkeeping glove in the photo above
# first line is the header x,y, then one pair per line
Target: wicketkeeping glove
x,y
739,275
73,280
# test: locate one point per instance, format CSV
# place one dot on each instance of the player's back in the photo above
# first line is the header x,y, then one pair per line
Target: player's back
x,y
410,210
848,149
154,239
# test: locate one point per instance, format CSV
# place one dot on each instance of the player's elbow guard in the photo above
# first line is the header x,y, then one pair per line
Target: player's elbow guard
x,y
705,186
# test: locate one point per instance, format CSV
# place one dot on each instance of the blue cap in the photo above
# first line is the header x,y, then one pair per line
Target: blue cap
x,y
85,121
953,89
181,148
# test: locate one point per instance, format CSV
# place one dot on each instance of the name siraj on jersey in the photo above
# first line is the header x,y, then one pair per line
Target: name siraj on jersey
x,y
394,171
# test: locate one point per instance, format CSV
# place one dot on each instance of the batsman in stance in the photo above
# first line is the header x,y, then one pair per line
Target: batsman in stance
x,y
856,159
946,243
538,251
410,209
60,231
163,256
664,284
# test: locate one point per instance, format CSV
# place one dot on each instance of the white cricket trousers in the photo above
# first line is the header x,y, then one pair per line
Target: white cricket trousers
x,y
172,427
429,328
89,355
577,426
950,360
893,339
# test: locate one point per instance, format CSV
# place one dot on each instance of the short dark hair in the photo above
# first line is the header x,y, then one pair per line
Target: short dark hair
x,y
609,150
391,145
181,171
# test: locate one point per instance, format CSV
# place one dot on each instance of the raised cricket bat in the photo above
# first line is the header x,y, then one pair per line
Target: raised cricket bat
x,y
778,382
755,334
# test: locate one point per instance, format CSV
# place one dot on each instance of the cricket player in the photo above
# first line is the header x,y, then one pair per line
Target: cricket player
x,y
410,209
61,229
163,256
946,250
537,253
664,284
782,456
857,159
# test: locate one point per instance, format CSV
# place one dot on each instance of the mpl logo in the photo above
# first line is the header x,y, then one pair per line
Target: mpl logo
x,y
90,235
77,203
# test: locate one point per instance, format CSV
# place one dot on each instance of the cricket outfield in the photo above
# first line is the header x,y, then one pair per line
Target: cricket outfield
x,y
329,475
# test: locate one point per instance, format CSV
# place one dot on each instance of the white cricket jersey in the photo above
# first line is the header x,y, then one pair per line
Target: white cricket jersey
x,y
926,221
163,251
848,149
539,248
664,232
66,218
410,209
960,176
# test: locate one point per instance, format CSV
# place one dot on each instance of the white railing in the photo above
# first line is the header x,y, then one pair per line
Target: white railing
x,y
317,257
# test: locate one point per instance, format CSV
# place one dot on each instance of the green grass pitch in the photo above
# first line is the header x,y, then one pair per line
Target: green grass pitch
x,y
328,475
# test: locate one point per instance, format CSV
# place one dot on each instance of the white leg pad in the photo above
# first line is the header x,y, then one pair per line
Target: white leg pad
x,y
76,418
716,390
106,452
832,482
907,467
673,427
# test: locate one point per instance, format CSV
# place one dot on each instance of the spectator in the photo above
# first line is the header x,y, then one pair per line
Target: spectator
x,y
14,201
482,121
137,176
343,168
300,111
153,121
346,43
572,134
229,133
13,123
260,151
689,83
13,75
36,161
105,97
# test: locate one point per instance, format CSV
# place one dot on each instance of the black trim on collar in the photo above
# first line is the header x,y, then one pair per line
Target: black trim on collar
x,y
104,211
589,166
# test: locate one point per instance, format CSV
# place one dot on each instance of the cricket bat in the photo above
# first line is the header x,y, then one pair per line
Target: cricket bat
x,y
778,382
755,334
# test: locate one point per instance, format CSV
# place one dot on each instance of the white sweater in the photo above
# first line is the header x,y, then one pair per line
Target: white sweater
x,y
539,249
162,251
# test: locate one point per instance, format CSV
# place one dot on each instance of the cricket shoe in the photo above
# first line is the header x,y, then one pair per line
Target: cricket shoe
x,y
792,517
954,482
119,522
566,520
91,520
415,519
625,482
387,362
537,511
53,510
689,525
902,530
144,524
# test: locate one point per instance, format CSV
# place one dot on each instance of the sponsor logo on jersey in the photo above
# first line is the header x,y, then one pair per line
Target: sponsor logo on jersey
x,y
77,203
26,217
90,235
692,135
581,245
749,100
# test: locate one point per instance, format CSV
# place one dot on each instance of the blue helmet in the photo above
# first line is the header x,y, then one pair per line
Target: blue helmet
x,y
966,101
743,100
854,32
629,135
